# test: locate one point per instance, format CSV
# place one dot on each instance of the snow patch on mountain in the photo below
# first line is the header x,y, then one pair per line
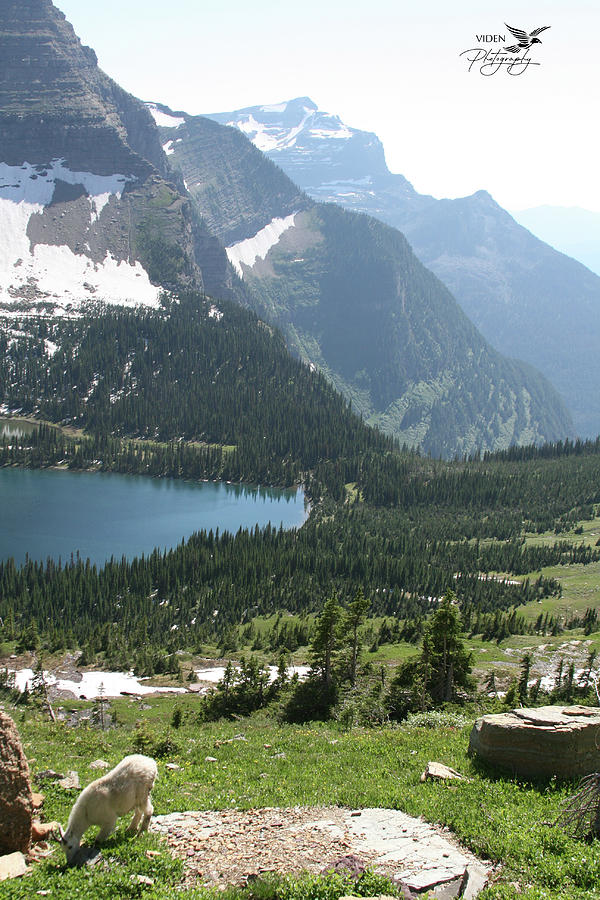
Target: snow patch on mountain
x,y
272,137
341,133
245,253
54,274
163,119
36,184
169,147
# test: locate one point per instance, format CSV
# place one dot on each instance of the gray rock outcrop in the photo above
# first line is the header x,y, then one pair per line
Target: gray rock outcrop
x,y
16,807
538,743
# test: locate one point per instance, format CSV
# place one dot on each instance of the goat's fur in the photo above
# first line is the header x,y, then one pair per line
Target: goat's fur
x,y
124,788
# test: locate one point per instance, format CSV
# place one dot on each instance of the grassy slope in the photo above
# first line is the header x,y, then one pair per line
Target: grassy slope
x,y
498,818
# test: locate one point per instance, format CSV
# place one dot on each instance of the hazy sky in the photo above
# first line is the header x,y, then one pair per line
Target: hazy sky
x,y
389,66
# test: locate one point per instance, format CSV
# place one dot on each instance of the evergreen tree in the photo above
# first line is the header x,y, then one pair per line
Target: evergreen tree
x,y
523,686
354,616
449,663
490,683
326,640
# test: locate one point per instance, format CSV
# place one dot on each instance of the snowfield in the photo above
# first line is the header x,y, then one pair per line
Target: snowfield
x,y
113,683
55,274
245,253
162,119
116,683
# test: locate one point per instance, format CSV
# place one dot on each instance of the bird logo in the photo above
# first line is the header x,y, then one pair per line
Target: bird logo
x,y
525,40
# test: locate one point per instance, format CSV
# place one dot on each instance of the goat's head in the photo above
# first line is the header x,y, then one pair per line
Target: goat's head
x,y
69,843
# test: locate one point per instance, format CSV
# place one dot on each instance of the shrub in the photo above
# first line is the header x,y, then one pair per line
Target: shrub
x,y
147,742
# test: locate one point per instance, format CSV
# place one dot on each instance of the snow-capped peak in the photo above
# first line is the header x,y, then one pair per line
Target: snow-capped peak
x,y
281,126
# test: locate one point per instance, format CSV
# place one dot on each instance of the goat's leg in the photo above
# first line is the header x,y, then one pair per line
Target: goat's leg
x,y
135,822
107,829
148,810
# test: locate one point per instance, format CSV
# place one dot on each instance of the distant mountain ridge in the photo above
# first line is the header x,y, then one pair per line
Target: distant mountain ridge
x,y
528,300
353,301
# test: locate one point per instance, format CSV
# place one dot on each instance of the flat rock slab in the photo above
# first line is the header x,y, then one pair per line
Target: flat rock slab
x,y
13,865
538,743
231,846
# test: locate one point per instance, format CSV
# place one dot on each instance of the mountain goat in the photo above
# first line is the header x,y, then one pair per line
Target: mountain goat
x,y
124,788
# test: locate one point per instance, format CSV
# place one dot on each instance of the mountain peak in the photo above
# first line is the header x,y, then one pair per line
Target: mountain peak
x,y
304,104
286,130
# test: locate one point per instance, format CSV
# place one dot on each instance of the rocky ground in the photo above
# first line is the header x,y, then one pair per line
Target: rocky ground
x,y
233,846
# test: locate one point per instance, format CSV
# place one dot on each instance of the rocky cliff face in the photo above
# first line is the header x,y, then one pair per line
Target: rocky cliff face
x,y
352,300
89,209
527,299
57,104
237,190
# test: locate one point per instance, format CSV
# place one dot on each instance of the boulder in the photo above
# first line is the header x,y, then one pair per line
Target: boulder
x,y
16,806
540,743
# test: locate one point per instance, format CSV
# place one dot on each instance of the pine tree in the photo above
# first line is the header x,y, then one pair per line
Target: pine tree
x,y
490,683
523,686
449,661
352,620
325,641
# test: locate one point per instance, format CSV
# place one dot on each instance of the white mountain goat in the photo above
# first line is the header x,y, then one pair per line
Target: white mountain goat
x,y
124,788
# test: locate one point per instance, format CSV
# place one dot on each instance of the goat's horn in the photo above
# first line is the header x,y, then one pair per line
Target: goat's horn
x,y
61,832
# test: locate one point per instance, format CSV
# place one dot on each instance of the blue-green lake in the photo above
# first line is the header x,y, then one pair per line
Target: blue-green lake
x,y
50,513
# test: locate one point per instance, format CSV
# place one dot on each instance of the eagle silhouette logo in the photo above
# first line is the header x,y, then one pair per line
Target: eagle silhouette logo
x,y
525,40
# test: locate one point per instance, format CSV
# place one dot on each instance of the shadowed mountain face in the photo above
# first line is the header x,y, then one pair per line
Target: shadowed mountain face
x,y
88,207
353,300
527,299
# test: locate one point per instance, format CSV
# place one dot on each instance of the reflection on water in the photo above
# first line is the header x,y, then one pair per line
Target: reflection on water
x,y
56,514
16,428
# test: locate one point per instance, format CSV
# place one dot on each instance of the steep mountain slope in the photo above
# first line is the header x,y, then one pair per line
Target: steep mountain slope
x,y
88,209
527,299
353,300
